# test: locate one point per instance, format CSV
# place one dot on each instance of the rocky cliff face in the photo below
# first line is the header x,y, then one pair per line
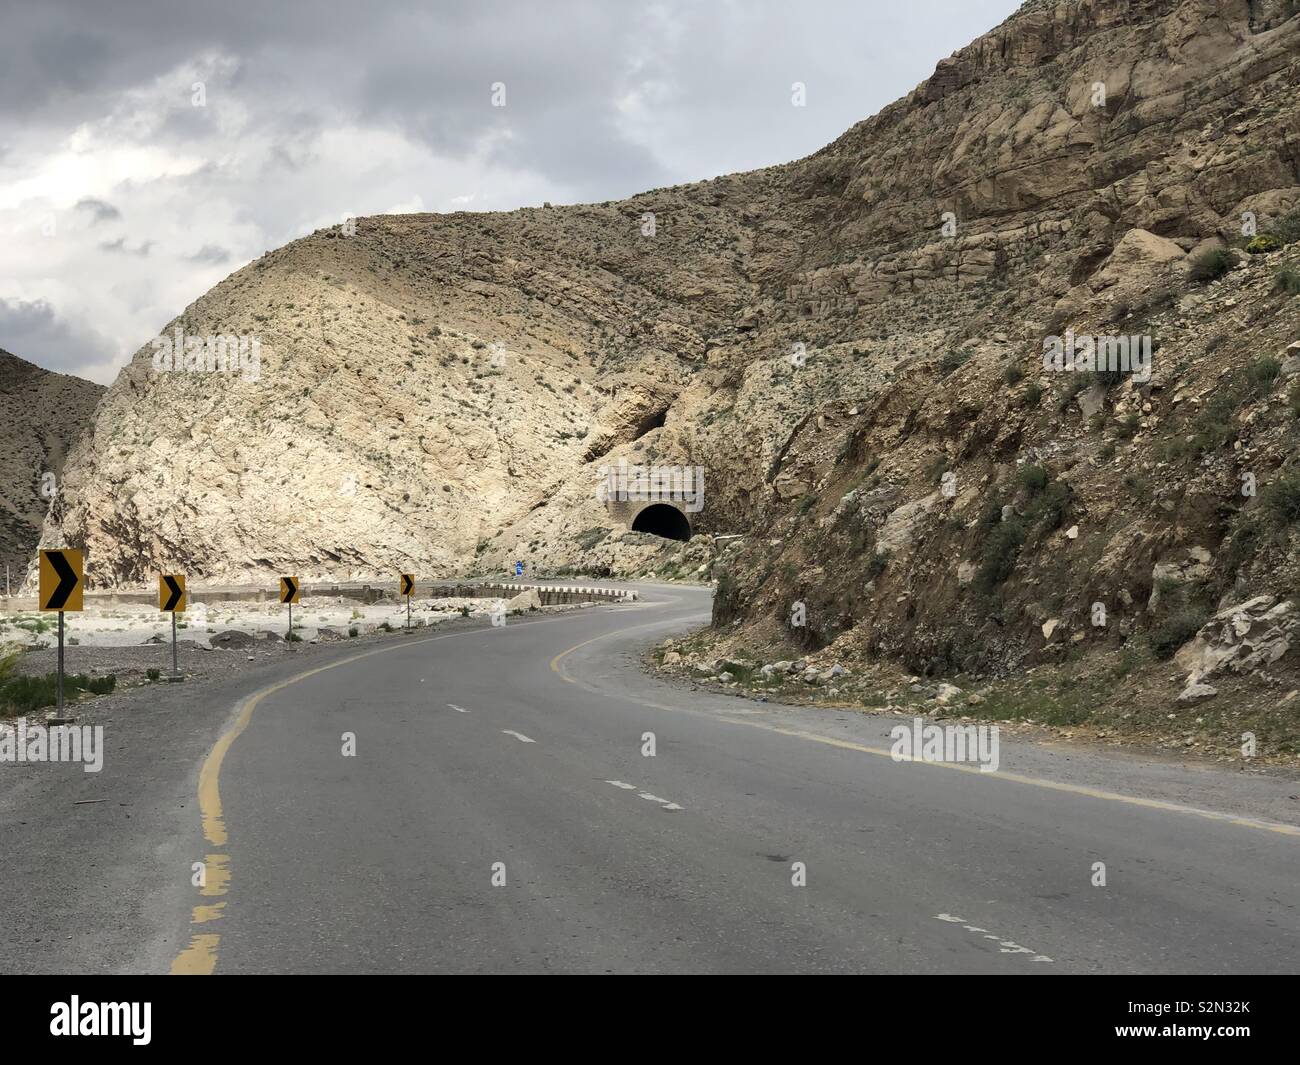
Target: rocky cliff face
x,y
42,414
850,345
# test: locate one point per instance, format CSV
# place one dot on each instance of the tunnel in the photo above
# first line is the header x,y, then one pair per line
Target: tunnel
x,y
660,519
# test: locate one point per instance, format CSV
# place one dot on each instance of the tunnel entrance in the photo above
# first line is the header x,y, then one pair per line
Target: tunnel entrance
x,y
659,519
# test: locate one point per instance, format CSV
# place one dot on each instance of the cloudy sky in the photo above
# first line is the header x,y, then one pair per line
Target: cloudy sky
x,y
150,147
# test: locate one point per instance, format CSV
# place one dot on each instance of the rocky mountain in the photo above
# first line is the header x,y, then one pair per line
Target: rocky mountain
x,y
851,346
42,413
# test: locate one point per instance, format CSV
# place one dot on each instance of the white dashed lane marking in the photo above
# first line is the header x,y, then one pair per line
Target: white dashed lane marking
x,y
458,709
1005,946
517,735
644,794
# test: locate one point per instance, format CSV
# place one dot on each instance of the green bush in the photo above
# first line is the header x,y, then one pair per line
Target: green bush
x,y
1014,375
952,361
1287,280
1281,499
1033,479
1213,427
1247,538
1048,509
1000,554
23,695
1032,395
1210,264
1287,228
153,674
1176,631
876,566
739,670
1262,373
9,661
1262,243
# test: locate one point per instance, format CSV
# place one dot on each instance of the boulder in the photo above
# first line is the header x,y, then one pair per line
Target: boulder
x,y
948,693
902,526
1191,568
1242,638
524,601
1138,255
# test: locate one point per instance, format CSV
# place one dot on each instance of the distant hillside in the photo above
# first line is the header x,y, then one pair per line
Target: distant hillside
x,y
42,414
851,346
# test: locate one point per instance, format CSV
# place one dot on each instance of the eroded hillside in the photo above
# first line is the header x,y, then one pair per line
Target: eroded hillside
x,y
850,345
42,413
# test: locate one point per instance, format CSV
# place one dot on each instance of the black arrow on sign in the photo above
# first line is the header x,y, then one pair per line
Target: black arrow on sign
x,y
175,590
408,584
67,580
290,590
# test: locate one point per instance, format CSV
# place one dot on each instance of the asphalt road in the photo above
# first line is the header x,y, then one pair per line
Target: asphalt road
x,y
496,813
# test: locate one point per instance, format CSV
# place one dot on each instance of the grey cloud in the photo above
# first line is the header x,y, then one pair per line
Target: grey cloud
x,y
100,210
603,100
211,255
120,247
33,330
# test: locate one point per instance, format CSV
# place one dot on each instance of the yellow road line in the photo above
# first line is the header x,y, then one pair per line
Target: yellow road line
x,y
200,957
1016,778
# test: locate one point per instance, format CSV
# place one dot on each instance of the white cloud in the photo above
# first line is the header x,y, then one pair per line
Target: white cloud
x,y
314,113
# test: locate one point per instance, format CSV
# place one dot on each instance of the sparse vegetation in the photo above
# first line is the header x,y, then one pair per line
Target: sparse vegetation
x,y
1287,280
1263,243
1175,631
23,694
1280,500
1211,264
1262,373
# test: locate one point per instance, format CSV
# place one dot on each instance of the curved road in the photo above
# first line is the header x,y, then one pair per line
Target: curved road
x,y
495,810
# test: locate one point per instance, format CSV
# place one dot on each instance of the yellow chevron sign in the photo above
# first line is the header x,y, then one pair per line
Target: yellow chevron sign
x,y
62,583
171,592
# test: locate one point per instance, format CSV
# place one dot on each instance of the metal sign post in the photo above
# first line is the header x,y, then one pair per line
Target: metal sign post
x,y
407,587
62,587
290,593
60,663
172,598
